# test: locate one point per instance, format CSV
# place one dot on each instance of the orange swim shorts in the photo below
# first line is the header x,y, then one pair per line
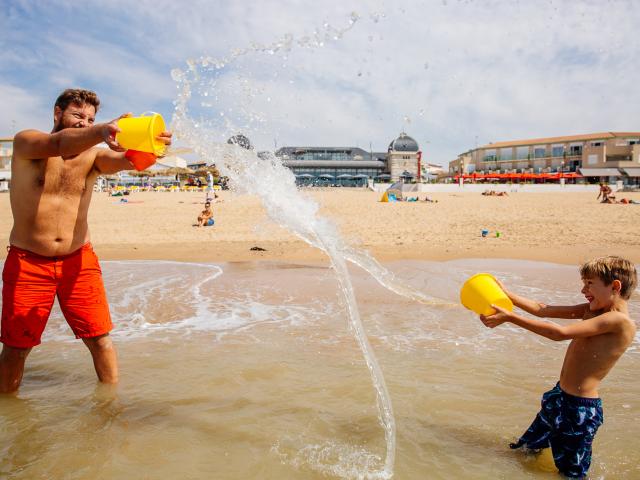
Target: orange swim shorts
x,y
30,282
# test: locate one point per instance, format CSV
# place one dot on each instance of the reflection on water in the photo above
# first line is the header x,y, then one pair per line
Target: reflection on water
x,y
229,374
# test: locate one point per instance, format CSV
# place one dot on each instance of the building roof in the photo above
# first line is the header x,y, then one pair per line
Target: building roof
x,y
404,143
351,151
334,163
569,138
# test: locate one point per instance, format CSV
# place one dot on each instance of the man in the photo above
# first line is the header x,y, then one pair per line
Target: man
x,y
52,177
205,217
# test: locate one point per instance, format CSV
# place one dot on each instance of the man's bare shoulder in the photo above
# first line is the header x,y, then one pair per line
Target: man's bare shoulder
x,y
24,138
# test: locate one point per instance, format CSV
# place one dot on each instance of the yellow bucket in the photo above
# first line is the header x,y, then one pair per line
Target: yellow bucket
x,y
139,133
481,291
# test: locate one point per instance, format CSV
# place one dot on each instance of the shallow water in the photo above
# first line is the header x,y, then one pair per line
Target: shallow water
x,y
249,371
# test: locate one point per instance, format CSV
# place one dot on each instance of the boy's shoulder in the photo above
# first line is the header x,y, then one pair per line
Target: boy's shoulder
x,y
621,319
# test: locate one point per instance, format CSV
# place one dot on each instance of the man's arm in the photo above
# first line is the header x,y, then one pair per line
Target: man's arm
x,y
108,162
33,144
543,310
605,323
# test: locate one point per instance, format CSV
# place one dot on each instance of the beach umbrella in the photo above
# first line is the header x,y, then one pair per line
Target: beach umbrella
x,y
325,175
344,176
202,171
142,173
176,171
304,175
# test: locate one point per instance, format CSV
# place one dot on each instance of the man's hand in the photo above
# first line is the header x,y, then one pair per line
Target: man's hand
x,y
498,318
109,130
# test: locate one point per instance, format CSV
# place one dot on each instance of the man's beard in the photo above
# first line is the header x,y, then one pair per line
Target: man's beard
x,y
58,127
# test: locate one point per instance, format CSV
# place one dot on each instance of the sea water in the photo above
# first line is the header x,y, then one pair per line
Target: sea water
x,y
202,126
247,370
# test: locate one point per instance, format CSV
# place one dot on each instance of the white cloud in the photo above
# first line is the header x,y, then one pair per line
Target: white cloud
x,y
446,72
23,110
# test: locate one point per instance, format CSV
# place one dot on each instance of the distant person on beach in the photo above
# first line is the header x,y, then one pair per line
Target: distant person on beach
x,y
493,193
572,411
205,216
606,193
50,253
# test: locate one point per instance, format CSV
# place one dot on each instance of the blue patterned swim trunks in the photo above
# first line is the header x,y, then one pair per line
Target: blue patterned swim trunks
x,y
567,424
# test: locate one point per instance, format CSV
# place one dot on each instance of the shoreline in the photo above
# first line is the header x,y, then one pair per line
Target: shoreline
x,y
294,252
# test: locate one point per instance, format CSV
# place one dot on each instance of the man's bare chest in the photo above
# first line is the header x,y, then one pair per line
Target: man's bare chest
x,y
55,176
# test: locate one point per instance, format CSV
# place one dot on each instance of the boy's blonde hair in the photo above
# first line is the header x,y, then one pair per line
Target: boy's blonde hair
x,y
612,268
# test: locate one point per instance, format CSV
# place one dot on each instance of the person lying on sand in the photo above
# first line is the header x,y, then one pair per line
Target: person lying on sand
x,y
571,411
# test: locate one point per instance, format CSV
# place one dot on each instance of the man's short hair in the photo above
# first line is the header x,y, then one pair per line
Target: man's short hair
x,y
77,96
612,268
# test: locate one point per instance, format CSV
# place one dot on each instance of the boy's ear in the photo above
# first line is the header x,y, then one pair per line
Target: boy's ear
x,y
617,286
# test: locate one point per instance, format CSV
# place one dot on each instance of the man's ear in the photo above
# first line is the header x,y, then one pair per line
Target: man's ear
x,y
57,115
617,286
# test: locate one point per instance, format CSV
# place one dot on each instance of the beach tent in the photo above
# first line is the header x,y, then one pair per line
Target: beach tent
x,y
388,197
396,190
393,193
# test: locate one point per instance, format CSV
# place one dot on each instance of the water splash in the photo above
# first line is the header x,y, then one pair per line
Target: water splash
x,y
274,184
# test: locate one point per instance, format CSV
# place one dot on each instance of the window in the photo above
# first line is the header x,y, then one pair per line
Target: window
x,y
539,152
522,153
506,154
489,156
575,149
596,144
557,150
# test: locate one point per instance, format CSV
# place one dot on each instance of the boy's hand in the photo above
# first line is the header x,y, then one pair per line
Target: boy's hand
x,y
498,318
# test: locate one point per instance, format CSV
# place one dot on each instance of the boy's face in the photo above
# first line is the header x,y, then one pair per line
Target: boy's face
x,y
599,295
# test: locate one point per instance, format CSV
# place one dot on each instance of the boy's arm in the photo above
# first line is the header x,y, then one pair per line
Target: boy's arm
x,y
605,323
543,310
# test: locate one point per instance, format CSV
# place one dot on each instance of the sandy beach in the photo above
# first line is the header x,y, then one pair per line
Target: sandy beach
x,y
556,227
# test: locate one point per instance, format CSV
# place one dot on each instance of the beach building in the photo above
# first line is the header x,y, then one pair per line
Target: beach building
x,y
6,151
327,166
593,157
353,166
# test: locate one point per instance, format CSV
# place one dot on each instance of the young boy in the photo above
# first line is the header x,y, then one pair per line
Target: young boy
x,y
572,412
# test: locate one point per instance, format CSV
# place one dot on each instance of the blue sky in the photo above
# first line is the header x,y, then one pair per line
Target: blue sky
x,y
450,73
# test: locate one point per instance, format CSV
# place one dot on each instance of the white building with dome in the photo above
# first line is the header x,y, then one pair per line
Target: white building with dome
x,y
403,159
353,166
